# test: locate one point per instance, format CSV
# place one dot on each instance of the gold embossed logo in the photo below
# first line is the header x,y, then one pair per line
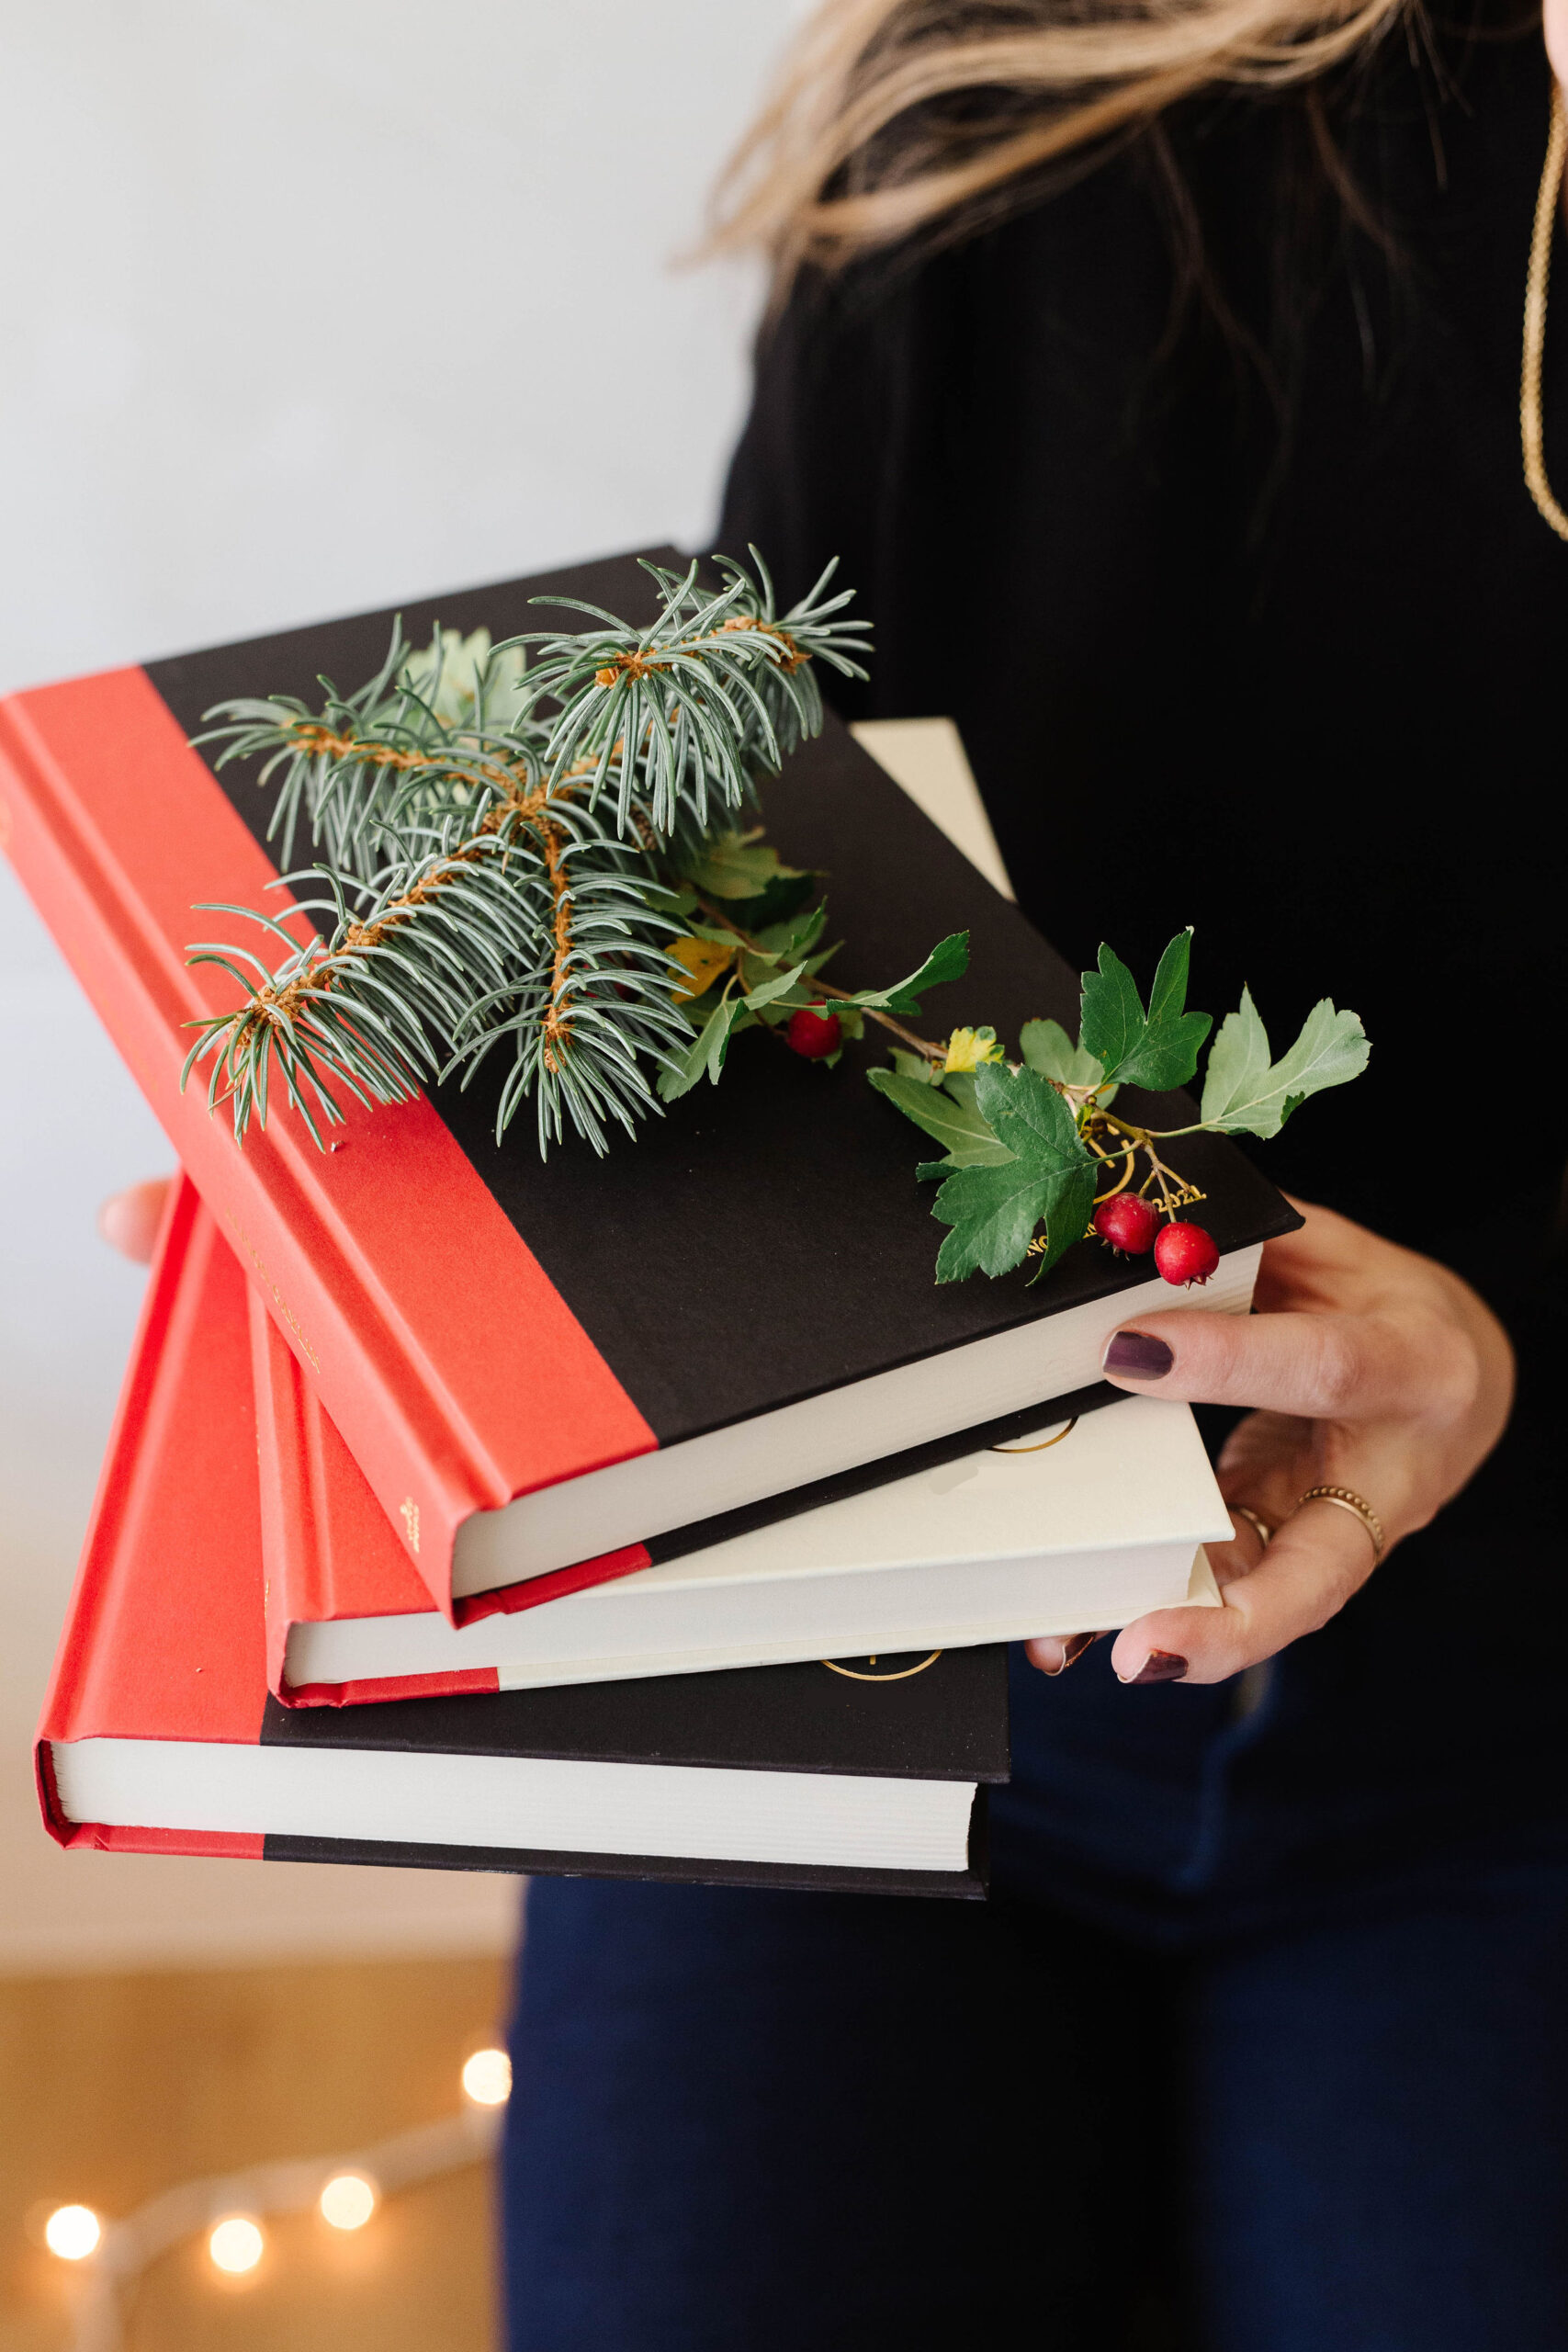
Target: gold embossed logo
x,y
1039,1448
889,1674
408,1511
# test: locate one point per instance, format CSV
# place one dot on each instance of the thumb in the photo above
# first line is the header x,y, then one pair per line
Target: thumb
x,y
128,1221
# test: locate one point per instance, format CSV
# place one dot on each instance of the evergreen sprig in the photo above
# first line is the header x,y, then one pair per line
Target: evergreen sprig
x,y
501,830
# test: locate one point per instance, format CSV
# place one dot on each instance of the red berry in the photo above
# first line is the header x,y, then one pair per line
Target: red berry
x,y
1185,1253
814,1032
1127,1223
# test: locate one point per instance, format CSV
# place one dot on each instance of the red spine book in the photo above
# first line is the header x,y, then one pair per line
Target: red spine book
x,y
368,1254
158,1734
542,1364
330,1553
177,1654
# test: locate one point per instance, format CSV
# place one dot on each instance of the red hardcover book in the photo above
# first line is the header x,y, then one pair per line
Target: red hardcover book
x,y
536,1365
159,1736
328,1549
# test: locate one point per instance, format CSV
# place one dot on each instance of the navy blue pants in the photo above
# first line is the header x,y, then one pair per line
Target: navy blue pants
x,y
1159,2093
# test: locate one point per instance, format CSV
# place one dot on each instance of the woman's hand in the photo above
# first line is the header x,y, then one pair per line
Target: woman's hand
x,y
1369,1368
128,1221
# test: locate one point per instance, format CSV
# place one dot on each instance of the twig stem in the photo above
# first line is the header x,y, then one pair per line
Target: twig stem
x,y
825,987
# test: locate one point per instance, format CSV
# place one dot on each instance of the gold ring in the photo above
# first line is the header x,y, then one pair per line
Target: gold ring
x,y
1346,1498
1260,1526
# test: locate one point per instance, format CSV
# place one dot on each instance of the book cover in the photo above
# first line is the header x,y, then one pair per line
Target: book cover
x,y
158,1734
495,1336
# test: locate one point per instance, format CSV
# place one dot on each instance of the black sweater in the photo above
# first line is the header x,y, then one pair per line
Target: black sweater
x,y
1249,622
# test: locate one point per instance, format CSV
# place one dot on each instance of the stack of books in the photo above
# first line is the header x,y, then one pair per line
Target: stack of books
x,y
650,1516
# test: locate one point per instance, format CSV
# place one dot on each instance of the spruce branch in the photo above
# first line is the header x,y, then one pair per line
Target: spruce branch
x,y
480,886
718,687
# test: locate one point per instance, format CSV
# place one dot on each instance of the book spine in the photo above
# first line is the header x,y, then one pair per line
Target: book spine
x,y
105,1838
314,1500
290,1537
296,1537
81,1700
64,1714
473,1680
364,1254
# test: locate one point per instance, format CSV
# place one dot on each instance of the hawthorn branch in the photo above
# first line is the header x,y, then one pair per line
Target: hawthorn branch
x,y
825,987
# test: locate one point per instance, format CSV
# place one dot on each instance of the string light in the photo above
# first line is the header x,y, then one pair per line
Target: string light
x,y
348,2201
236,2245
71,2232
123,2248
487,2078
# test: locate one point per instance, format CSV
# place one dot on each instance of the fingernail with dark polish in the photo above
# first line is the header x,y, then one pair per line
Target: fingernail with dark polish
x,y
1160,1665
1075,1646
1137,1354
1073,1649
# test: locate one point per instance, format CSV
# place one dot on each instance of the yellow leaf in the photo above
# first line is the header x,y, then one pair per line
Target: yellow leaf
x,y
703,960
967,1049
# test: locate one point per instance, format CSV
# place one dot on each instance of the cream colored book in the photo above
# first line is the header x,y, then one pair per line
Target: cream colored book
x,y
1081,1527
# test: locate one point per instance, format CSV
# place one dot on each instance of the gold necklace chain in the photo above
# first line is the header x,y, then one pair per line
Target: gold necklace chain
x,y
1535,318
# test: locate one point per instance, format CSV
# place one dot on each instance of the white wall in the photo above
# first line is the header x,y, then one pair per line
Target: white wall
x,y
305,305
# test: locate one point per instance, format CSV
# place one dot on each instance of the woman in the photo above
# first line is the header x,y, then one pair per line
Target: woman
x,y
1155,376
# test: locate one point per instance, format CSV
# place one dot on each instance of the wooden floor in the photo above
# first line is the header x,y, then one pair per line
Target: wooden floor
x,y
114,2088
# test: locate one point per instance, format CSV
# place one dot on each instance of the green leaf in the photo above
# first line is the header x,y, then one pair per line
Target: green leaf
x,y
705,1055
780,986
735,866
995,1208
1046,1047
1113,1018
755,969
1028,1114
1068,1215
993,1213
948,960
1159,1048
969,1142
784,897
1244,1093
916,1069
794,938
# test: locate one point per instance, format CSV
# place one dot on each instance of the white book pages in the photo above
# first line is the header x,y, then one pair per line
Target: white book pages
x,y
698,1813
867,1421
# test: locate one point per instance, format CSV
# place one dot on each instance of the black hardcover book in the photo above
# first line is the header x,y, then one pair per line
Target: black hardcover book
x,y
864,1774
764,1246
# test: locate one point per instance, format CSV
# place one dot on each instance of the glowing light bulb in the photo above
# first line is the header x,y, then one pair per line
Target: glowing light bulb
x,y
348,2201
487,2078
71,2232
236,2245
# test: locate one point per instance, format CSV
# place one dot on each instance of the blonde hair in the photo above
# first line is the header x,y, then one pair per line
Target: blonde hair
x,y
895,117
